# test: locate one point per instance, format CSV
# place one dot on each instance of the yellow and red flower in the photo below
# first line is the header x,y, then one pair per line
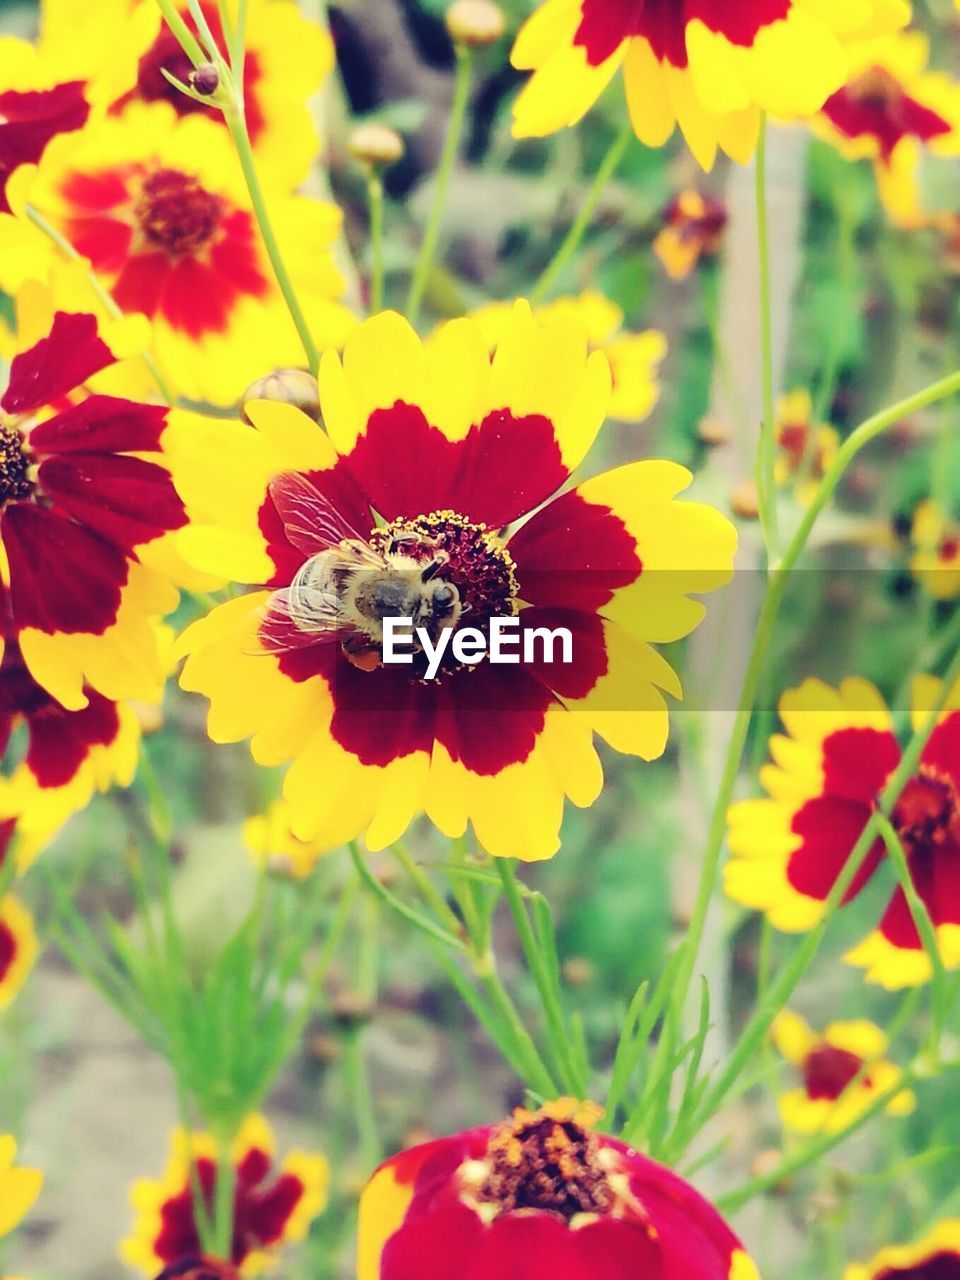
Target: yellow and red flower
x,y
891,110
827,774
86,506
693,228
19,1188
539,1195
33,108
841,1071
806,449
452,450
18,954
273,844
708,68
273,1205
935,1257
935,562
156,202
635,358
123,47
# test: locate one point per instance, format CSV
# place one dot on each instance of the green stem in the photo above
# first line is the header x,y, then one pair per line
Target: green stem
x,y
234,116
559,1036
223,1201
375,196
185,36
571,242
451,146
425,887
111,308
766,454
763,634
409,914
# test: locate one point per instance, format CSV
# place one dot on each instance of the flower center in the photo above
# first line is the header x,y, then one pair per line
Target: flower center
x,y
175,213
828,1071
927,815
547,1160
14,463
456,554
876,90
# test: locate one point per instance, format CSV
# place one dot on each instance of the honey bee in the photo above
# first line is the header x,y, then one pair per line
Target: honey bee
x,y
199,1268
347,586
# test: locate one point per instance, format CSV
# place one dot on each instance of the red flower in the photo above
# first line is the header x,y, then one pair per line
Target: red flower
x,y
540,1195
84,500
28,120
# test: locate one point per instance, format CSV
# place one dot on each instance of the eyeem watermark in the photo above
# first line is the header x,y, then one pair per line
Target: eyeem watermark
x,y
470,645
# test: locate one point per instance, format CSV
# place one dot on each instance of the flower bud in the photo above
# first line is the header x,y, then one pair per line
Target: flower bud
x,y
744,500
206,79
713,431
284,386
376,144
475,22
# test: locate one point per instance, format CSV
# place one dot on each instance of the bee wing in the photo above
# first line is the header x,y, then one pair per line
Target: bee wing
x,y
310,520
294,621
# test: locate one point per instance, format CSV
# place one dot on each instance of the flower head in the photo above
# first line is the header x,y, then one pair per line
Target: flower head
x,y
891,110
87,506
18,954
935,562
33,109
935,1257
540,1194
708,68
123,47
634,358
693,227
158,205
827,774
272,842
806,448
841,1073
19,1188
452,451
273,1206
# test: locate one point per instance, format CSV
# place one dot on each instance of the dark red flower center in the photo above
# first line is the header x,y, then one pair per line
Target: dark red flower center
x,y
8,949
875,105
544,1162
14,463
176,214
942,1266
793,441
927,815
828,1072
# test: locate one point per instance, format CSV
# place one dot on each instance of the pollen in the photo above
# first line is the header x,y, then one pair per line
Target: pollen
x,y
14,464
176,214
547,1160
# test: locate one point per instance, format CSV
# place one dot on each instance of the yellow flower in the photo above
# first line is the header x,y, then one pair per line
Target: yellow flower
x,y
634,358
935,562
806,449
823,783
18,954
274,1205
709,69
19,1188
842,1071
693,228
937,1255
271,840
891,110
158,205
453,451
122,47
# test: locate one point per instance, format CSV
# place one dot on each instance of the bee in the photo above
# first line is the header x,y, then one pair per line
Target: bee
x,y
199,1268
347,586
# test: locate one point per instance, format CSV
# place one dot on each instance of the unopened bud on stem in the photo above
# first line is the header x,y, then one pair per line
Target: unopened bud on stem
x,y
376,145
206,79
475,22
